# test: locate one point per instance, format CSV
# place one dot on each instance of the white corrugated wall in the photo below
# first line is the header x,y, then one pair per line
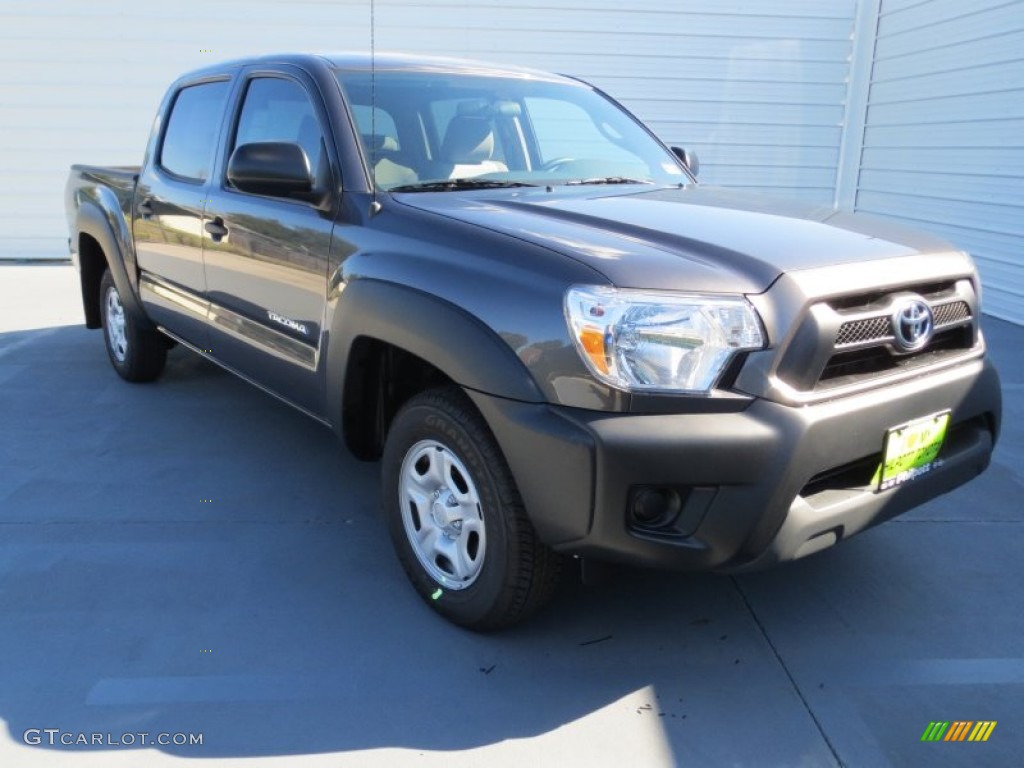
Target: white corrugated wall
x,y
80,83
943,145
756,86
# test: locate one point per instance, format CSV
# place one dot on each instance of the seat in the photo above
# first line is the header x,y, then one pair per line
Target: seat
x,y
468,148
384,154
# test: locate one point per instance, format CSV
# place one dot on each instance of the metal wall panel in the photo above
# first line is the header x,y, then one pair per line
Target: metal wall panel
x,y
757,88
80,83
943,145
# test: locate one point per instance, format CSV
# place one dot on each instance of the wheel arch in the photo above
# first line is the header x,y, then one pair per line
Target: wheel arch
x,y
388,342
99,249
92,263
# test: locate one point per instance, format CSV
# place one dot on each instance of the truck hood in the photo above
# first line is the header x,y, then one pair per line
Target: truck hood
x,y
695,238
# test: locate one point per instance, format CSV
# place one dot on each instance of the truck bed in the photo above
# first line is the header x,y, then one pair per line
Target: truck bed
x,y
119,179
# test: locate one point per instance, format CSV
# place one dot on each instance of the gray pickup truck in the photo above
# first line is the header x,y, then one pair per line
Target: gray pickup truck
x,y
505,288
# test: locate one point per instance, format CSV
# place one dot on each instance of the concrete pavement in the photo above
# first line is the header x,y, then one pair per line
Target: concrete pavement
x,y
193,557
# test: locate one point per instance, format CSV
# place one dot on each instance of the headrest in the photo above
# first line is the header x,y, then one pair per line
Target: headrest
x,y
377,142
485,108
469,139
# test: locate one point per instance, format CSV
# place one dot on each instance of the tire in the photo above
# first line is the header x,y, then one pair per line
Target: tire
x,y
137,354
456,518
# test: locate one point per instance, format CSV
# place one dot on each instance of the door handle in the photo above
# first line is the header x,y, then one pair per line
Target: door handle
x,y
145,207
216,228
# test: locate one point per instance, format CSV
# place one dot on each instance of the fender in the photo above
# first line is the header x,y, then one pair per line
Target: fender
x,y
92,220
449,338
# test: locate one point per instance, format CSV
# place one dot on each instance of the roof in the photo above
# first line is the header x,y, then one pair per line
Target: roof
x,y
403,61
388,61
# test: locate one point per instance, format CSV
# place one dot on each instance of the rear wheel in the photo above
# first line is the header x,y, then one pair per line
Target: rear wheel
x,y
456,518
137,354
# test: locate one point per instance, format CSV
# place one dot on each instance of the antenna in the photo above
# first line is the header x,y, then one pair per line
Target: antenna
x,y
375,205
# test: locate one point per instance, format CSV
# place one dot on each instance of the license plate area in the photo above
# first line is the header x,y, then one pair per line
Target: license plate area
x,y
912,450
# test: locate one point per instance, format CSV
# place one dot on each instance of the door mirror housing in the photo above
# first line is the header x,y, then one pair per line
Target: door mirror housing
x,y
688,158
274,168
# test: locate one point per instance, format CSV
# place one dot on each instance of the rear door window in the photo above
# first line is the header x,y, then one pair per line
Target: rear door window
x,y
187,149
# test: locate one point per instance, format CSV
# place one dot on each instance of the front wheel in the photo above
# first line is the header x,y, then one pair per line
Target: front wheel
x,y
456,518
137,353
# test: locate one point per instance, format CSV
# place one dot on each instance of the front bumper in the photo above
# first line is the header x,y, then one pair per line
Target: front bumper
x,y
763,485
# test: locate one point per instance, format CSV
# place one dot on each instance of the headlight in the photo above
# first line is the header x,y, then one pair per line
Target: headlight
x,y
659,341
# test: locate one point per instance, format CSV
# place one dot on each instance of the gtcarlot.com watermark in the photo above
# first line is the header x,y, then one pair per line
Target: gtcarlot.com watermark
x,y
55,737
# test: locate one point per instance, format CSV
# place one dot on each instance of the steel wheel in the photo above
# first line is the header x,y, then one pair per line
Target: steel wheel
x,y
442,515
116,325
135,348
456,518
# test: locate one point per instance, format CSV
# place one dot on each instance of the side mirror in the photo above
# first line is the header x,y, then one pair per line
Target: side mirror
x,y
275,168
688,158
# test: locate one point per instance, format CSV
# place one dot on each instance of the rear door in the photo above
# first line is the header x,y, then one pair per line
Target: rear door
x,y
267,258
167,224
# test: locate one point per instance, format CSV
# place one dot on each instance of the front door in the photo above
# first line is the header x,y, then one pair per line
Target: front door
x,y
266,258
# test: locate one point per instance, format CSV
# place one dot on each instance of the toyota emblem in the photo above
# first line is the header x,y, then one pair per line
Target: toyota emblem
x,y
912,324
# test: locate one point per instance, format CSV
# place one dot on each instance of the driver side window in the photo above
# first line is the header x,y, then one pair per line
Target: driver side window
x,y
277,109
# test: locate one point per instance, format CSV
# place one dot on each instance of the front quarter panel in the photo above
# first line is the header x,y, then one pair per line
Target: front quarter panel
x,y
484,308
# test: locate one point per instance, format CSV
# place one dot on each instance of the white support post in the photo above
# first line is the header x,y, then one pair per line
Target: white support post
x,y
858,86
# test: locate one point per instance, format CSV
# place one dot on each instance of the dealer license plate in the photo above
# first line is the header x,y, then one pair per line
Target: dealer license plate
x,y
912,450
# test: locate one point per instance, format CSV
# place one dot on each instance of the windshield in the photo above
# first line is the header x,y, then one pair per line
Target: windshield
x,y
421,128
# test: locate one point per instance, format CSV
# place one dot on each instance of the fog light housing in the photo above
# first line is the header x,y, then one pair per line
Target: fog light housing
x,y
654,508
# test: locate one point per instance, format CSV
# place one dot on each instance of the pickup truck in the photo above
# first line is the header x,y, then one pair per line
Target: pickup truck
x,y
504,288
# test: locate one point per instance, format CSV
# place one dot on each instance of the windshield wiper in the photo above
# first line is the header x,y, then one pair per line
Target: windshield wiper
x,y
609,180
451,185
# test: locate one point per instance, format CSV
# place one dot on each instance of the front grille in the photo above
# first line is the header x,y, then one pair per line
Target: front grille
x,y
848,340
878,329
859,331
848,367
948,314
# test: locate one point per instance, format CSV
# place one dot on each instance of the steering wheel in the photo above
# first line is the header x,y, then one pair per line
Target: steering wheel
x,y
556,163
